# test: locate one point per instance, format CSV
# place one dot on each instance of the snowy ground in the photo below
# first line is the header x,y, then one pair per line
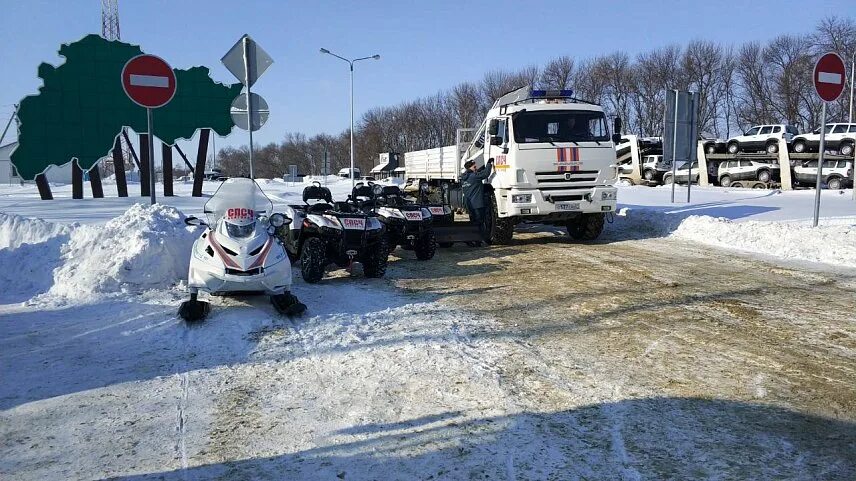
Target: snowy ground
x,y
649,355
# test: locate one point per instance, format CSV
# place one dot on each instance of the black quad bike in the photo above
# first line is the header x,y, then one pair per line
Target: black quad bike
x,y
324,233
408,224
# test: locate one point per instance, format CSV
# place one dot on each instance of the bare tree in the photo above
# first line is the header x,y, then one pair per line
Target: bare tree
x,y
558,73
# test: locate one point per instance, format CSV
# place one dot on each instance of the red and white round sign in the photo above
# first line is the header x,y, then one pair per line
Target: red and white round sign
x,y
829,76
148,81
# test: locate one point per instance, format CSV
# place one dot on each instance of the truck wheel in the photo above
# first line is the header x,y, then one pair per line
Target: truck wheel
x,y
833,183
772,147
846,149
501,229
374,263
586,227
733,148
725,181
764,175
313,260
799,146
426,246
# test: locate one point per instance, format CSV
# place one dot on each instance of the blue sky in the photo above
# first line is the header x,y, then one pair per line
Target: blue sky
x,y
425,46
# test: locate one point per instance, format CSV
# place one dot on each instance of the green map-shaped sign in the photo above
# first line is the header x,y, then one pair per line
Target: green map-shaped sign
x,y
81,107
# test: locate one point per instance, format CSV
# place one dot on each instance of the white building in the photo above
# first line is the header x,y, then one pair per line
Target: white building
x,y
8,173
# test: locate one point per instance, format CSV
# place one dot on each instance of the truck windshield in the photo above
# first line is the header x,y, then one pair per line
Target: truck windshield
x,y
560,126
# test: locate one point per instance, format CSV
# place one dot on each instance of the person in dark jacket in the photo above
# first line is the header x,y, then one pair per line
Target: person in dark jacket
x,y
473,186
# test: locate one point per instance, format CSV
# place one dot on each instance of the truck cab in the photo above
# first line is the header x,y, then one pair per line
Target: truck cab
x,y
554,162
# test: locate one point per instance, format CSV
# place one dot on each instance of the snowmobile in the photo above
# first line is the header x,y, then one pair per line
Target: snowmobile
x,y
239,252
324,233
408,224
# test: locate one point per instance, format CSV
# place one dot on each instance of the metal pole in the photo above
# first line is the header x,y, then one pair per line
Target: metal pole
x,y
674,147
693,113
852,80
821,148
249,101
151,139
14,113
353,181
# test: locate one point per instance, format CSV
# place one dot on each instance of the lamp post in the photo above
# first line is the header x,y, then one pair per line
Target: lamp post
x,y
351,64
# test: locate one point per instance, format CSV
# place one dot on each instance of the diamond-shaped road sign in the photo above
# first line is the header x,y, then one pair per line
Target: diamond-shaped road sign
x,y
239,111
257,61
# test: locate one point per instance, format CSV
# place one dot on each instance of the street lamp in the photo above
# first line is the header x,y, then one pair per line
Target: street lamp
x,y
351,64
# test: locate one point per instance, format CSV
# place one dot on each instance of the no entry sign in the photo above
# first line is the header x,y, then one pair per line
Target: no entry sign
x,y
148,81
829,76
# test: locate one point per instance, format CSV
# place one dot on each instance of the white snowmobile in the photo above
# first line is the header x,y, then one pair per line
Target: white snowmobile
x,y
239,252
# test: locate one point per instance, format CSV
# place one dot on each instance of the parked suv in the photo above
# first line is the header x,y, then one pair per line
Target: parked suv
x,y
837,174
762,137
653,167
732,170
682,174
840,137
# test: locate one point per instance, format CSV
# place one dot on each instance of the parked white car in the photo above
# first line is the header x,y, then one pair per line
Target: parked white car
x,y
837,174
838,137
733,170
762,138
653,167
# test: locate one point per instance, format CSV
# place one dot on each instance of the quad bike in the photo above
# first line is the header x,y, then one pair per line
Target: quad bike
x,y
408,224
324,233
239,251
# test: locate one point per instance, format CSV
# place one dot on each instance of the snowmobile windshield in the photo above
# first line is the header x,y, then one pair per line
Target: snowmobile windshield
x,y
239,202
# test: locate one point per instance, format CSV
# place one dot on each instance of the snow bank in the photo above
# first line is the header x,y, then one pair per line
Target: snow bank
x,y
828,244
146,247
16,230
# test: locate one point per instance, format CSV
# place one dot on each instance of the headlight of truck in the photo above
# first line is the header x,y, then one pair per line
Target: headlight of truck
x,y
607,195
521,198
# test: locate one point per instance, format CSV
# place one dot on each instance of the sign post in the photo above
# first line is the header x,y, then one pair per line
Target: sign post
x,y
150,83
247,61
829,84
680,138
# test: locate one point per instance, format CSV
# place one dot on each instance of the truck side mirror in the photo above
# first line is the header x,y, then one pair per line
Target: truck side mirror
x,y
493,127
617,125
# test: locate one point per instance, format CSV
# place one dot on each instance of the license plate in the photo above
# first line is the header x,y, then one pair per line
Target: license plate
x,y
354,223
413,215
568,206
436,210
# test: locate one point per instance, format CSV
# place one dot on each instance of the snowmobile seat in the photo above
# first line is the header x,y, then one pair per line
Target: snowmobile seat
x,y
319,208
391,190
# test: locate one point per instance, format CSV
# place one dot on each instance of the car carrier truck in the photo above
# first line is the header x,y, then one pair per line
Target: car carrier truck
x,y
554,160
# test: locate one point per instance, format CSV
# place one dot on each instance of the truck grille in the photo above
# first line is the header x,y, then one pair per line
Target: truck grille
x,y
555,180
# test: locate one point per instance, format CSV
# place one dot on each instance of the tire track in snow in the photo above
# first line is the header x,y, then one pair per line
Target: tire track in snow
x,y
181,415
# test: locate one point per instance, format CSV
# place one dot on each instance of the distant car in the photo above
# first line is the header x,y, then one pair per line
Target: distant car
x,y
837,174
682,174
653,168
712,144
840,137
367,178
732,170
762,138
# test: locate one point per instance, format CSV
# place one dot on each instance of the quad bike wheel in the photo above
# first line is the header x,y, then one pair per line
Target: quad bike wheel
x,y
374,263
313,260
426,246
